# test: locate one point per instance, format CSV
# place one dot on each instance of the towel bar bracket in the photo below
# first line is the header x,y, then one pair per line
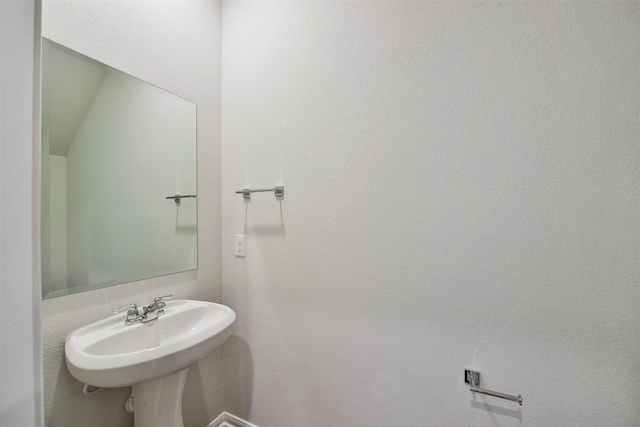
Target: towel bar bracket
x,y
177,198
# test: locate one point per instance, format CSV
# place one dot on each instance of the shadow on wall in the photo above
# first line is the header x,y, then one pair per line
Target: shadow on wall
x,y
202,400
270,229
238,377
492,410
71,407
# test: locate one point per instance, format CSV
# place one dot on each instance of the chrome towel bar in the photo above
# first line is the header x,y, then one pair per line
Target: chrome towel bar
x,y
473,379
278,191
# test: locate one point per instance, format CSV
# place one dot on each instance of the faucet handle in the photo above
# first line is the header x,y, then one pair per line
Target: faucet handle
x,y
157,304
158,299
131,307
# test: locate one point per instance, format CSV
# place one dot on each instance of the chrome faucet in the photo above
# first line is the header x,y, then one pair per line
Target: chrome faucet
x,y
157,305
156,308
133,316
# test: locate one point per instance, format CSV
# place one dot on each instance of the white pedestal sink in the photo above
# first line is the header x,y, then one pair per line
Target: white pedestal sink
x,y
153,357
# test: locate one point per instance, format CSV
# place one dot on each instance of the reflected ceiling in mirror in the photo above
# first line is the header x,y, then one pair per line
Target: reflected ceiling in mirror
x,y
113,149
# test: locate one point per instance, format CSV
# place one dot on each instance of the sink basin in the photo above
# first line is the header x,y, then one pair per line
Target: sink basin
x,y
109,354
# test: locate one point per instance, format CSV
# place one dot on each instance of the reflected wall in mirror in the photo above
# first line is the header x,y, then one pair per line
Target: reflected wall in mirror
x,y
113,149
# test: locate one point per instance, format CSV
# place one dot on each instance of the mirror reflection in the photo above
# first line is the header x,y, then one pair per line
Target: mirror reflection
x,y
114,148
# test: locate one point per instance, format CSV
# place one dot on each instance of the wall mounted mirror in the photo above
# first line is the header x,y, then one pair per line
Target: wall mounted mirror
x,y
113,149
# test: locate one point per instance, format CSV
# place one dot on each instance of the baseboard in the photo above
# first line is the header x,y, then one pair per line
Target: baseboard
x,y
226,419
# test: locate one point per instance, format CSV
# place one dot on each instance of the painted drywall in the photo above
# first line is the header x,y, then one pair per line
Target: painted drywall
x,y
20,355
174,45
461,190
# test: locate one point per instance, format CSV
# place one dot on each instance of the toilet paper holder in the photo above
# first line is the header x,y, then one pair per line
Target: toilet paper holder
x,y
473,379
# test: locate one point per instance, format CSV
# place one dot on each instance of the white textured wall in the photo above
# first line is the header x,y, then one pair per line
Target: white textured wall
x,y
461,187
20,358
174,45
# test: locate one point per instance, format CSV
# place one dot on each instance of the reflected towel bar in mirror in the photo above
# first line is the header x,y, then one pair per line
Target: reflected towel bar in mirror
x,y
473,379
177,197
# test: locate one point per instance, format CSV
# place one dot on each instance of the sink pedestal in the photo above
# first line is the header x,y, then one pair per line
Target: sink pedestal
x,y
159,403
